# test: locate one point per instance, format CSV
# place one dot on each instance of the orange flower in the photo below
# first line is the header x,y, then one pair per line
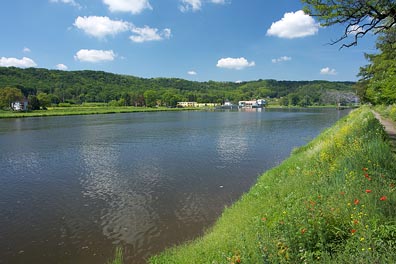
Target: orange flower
x,y
383,198
368,191
356,202
303,231
353,231
365,169
355,222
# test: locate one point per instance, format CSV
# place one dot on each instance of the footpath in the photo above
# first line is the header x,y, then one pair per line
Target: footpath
x,y
390,129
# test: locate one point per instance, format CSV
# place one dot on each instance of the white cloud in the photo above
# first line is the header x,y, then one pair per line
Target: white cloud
x,y
354,29
61,67
187,5
14,62
281,59
234,63
195,5
26,50
85,55
100,27
69,2
131,6
294,25
149,34
328,71
192,73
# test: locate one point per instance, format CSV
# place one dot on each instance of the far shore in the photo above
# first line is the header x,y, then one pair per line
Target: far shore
x,y
93,110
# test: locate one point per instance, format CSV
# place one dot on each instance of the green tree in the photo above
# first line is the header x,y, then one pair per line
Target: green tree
x,y
44,99
380,75
150,98
34,103
8,96
358,16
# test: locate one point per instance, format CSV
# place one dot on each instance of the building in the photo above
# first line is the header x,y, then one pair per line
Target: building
x,y
20,105
259,103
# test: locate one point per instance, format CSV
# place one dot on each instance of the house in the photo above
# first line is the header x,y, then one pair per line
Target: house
x,y
186,104
20,105
259,103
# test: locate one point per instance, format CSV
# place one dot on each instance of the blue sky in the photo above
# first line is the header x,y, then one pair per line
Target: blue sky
x,y
200,40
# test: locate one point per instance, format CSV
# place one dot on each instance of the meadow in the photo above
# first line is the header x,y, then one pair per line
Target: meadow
x,y
332,201
85,109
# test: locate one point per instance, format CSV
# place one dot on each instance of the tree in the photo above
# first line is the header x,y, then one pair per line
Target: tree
x,y
34,103
150,98
44,99
359,16
379,76
9,95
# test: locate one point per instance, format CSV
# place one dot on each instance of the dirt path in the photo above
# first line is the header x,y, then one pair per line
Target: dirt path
x,y
390,129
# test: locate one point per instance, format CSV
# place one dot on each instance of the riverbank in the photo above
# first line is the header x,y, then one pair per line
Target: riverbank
x,y
332,201
85,110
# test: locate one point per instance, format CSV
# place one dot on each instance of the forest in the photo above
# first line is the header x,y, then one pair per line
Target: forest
x,y
45,87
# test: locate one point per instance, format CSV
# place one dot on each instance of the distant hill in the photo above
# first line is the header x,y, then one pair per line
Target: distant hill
x,y
99,86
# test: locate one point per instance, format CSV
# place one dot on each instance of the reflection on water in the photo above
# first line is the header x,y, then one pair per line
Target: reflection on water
x,y
72,188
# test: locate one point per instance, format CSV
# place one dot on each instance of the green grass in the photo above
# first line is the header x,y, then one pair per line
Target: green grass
x,y
118,259
388,111
84,110
332,201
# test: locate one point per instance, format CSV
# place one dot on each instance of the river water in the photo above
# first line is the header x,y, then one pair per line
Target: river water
x,y
73,188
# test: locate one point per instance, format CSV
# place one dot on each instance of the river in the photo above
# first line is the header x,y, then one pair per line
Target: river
x,y
72,188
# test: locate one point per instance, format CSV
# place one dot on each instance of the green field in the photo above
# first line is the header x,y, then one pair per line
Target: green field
x,y
84,110
332,201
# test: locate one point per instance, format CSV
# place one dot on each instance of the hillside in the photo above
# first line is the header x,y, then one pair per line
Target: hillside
x,y
99,86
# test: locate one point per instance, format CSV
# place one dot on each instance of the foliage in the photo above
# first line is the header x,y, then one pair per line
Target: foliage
x,y
118,259
332,201
8,96
95,86
359,17
379,77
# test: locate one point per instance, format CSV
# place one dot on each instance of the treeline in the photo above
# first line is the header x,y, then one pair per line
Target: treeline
x,y
76,87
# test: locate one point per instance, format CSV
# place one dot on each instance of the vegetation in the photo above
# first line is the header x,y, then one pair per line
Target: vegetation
x,y
332,201
359,17
118,259
84,110
52,87
387,111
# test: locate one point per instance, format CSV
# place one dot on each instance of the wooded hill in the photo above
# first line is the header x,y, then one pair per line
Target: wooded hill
x,y
98,86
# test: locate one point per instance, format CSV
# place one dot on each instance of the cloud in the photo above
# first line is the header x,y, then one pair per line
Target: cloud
x,y
281,59
61,67
195,5
85,55
100,27
131,6
192,73
69,2
26,50
234,63
146,33
294,25
328,71
354,29
14,62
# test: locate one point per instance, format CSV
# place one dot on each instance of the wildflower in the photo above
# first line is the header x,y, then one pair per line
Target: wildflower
x,y
355,222
367,176
356,202
368,191
264,219
353,231
365,169
362,239
303,231
383,198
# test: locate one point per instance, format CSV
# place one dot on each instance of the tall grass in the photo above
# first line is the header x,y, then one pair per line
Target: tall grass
x,y
332,201
388,111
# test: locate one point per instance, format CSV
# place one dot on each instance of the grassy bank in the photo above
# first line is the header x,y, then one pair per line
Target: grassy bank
x,y
332,201
387,111
84,110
